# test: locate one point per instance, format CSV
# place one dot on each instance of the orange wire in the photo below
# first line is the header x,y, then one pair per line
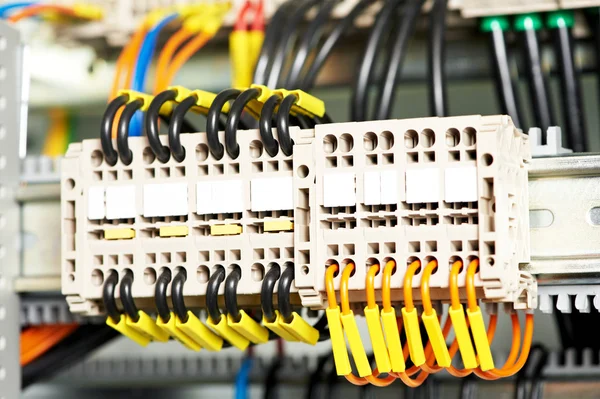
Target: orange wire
x,y
344,281
371,302
126,62
512,364
408,277
184,55
36,341
386,283
166,54
41,8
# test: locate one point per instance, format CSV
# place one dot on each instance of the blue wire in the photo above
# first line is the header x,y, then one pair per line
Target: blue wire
x,y
141,67
5,9
241,380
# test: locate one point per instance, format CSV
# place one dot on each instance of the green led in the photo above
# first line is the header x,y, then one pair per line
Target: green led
x,y
489,24
527,22
561,19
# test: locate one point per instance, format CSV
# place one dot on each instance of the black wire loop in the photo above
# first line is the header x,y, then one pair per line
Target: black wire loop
x,y
177,296
110,155
177,124
283,124
265,125
231,283
160,295
212,121
125,153
235,113
266,292
212,294
125,290
283,292
151,121
108,297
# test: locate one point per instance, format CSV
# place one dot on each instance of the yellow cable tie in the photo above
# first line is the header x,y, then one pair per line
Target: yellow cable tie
x,y
463,337
382,357
228,333
278,329
129,332
436,338
119,234
204,100
392,337
155,16
413,336
136,95
147,326
181,93
303,331
249,328
484,353
356,346
201,334
225,229
173,231
307,104
177,334
88,11
239,53
338,342
278,225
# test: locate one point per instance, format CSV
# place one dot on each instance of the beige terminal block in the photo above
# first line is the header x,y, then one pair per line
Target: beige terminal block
x,y
428,188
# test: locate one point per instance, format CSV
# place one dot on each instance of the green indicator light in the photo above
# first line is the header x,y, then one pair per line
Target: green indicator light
x,y
489,24
561,19
528,22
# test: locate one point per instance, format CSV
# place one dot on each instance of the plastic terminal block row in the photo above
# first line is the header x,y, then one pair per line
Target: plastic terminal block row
x,y
431,188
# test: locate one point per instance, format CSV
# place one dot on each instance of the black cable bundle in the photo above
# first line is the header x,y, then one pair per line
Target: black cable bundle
x,y
505,86
569,82
437,55
72,350
540,96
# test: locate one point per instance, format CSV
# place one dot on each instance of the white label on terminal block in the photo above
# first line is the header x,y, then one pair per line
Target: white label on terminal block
x,y
223,196
120,202
339,189
165,199
272,194
95,203
461,184
422,185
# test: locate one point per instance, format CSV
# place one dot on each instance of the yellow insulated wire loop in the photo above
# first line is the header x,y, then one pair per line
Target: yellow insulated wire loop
x,y
338,342
349,322
431,322
382,357
484,352
459,322
411,319
390,323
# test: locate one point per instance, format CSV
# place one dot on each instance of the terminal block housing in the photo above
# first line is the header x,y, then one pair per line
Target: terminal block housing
x,y
432,188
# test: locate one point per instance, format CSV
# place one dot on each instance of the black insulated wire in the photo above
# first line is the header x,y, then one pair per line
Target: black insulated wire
x,y
110,155
231,283
505,86
540,97
233,119
160,295
309,41
322,327
287,39
283,292
177,125
212,121
325,50
283,124
593,20
271,41
125,290
385,98
108,297
364,77
212,294
125,154
265,125
177,296
161,152
437,55
266,292
571,91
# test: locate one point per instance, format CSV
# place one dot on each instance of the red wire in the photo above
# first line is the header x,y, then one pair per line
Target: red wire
x,y
240,23
259,18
